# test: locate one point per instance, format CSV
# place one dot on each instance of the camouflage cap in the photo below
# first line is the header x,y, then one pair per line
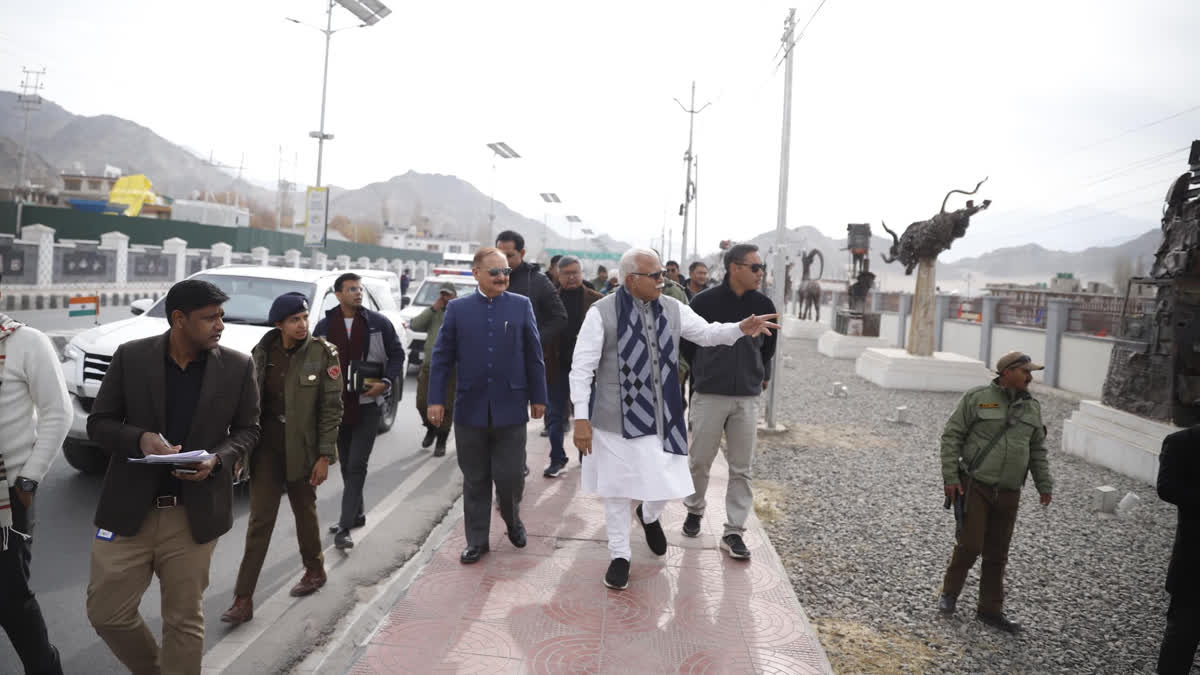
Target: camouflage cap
x,y
448,287
1017,360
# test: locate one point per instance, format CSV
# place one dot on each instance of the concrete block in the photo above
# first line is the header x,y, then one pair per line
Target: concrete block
x,y
1115,439
944,371
900,416
1104,499
838,346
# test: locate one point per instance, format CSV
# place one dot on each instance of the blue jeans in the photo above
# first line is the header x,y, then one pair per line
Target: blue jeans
x,y
556,414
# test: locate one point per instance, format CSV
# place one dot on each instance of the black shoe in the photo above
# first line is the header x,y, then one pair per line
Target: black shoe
x,y
947,603
735,546
342,540
358,522
472,554
999,621
655,536
430,435
517,535
439,450
617,576
691,525
554,469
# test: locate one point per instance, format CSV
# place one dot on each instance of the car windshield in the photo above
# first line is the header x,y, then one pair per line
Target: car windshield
x,y
430,289
250,298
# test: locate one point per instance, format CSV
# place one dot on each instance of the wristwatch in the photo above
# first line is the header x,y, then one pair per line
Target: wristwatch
x,y
26,485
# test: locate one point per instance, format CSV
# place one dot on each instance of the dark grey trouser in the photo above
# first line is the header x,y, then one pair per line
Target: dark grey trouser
x,y
355,443
20,614
1178,651
490,455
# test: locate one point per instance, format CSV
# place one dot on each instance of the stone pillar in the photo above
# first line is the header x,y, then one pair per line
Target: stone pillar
x,y
343,262
177,248
906,302
44,238
222,252
381,264
1058,314
320,260
876,301
987,319
835,299
119,242
261,255
939,320
364,262
292,256
920,331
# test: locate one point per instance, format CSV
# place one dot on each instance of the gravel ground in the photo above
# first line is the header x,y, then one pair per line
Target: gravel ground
x,y
853,504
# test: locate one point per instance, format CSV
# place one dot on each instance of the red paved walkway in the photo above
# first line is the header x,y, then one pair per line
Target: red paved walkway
x,y
545,609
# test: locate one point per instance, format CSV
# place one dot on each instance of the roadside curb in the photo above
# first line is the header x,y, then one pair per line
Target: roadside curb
x,y
355,630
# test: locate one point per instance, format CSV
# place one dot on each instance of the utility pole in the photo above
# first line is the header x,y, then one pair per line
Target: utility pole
x,y
29,100
777,292
689,189
696,210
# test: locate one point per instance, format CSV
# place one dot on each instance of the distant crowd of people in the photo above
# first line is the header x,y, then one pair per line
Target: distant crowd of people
x,y
652,372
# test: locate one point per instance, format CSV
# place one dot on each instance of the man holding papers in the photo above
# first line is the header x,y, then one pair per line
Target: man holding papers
x,y
184,387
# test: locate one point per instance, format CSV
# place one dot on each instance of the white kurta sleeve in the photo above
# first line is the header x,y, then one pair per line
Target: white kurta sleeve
x,y
588,348
693,328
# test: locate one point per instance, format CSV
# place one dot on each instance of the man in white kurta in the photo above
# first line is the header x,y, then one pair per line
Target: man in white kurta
x,y
629,425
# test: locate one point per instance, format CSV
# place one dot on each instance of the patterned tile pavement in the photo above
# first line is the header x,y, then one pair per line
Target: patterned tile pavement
x,y
545,609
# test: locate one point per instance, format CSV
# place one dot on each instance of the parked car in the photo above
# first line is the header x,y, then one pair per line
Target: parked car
x,y
251,290
424,296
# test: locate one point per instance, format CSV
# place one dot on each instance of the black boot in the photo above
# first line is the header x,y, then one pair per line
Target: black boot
x,y
430,434
440,449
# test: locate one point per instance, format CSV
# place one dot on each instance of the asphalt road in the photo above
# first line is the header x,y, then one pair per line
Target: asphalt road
x,y
63,536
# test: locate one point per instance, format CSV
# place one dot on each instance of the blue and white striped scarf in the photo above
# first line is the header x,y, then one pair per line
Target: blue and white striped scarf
x,y
638,413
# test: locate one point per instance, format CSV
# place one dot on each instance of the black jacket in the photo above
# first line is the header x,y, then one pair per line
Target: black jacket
x,y
738,369
548,308
1178,474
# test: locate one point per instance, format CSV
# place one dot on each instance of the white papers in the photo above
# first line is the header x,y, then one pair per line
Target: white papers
x,y
192,457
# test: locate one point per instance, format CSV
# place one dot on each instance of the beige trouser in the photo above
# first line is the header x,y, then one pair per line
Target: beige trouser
x,y
735,417
121,572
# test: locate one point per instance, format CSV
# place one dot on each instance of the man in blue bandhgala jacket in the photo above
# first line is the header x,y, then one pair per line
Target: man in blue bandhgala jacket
x,y
491,336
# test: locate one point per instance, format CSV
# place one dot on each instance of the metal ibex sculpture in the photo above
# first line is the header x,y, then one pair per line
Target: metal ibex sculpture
x,y
810,289
928,238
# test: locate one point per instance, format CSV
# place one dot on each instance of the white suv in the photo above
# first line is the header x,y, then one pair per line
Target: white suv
x,y
425,295
251,290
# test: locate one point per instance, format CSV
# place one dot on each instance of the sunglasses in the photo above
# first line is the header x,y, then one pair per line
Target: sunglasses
x,y
657,276
499,271
754,267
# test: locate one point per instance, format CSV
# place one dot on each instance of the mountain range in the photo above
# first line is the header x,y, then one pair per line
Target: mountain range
x,y
451,207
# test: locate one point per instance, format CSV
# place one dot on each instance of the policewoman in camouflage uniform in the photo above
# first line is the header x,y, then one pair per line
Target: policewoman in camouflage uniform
x,y
300,386
994,439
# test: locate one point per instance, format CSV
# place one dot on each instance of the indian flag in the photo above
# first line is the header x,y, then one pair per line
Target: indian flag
x,y
88,305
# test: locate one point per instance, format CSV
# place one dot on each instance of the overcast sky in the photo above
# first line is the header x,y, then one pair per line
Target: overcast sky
x,y
894,103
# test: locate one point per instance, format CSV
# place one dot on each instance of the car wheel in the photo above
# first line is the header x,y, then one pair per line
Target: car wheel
x,y
390,405
85,458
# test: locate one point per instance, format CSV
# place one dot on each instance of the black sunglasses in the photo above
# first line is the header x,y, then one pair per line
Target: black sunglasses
x,y
754,267
657,276
499,271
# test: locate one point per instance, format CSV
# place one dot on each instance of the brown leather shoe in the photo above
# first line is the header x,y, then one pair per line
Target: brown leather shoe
x,y
309,583
241,612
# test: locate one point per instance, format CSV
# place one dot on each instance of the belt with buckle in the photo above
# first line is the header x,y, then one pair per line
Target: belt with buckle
x,y
166,501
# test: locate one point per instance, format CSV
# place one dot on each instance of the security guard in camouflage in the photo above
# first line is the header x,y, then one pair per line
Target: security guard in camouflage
x,y
994,439
300,385
430,323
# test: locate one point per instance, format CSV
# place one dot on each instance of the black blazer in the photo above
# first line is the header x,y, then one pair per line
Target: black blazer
x,y
132,400
1178,476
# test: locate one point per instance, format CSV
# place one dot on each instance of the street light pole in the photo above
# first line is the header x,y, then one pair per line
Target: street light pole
x,y
777,292
324,88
